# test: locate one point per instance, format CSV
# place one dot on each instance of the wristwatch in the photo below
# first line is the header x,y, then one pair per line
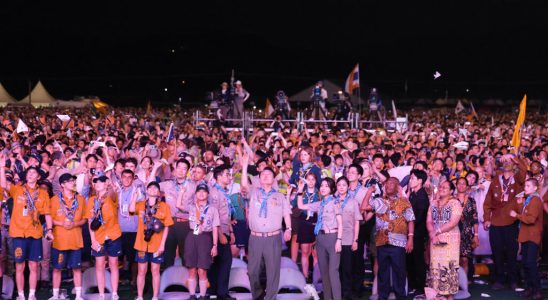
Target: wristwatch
x,y
300,194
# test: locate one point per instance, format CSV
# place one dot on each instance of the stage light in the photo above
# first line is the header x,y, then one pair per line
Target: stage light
x,y
165,89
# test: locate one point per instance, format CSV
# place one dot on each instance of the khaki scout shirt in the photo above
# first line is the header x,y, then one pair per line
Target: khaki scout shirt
x,y
330,212
210,219
171,189
219,201
277,207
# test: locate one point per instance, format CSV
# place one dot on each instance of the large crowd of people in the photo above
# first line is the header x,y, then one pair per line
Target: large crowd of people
x,y
121,188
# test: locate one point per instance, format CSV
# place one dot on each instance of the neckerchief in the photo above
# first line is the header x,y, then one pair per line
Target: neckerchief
x,y
179,185
344,201
201,213
318,226
227,198
264,197
70,212
98,207
528,200
353,193
150,211
305,169
31,204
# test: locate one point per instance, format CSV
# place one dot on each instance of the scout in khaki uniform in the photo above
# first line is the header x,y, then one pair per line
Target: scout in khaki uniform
x,y
105,232
180,185
219,196
529,212
201,243
68,210
29,202
328,232
267,209
154,221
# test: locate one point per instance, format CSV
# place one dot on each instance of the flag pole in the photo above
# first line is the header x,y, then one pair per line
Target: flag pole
x,y
359,94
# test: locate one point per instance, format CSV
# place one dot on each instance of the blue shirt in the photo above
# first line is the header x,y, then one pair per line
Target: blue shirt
x,y
127,222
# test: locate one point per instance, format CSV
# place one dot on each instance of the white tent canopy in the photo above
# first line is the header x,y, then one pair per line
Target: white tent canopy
x,y
39,96
330,87
5,97
74,103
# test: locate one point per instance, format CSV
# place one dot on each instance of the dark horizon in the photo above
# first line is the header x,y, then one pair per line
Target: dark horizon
x,y
122,53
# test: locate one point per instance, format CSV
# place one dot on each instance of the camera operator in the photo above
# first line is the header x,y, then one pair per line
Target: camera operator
x,y
319,98
282,105
344,107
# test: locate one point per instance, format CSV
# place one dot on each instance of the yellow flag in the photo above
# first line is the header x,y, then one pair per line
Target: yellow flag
x,y
516,138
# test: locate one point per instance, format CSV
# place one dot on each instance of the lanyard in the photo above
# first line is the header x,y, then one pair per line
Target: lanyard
x,y
70,212
201,214
505,187
310,197
98,207
31,199
264,197
150,211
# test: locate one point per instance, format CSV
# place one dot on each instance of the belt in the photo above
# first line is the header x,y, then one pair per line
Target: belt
x,y
265,234
328,231
180,219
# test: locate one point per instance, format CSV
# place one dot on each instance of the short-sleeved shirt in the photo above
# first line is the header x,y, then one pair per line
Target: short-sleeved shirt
x,y
358,193
218,199
206,216
277,207
329,214
128,222
70,209
162,213
392,217
109,209
350,214
21,225
171,190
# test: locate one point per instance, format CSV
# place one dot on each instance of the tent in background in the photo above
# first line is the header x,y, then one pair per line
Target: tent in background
x,y
5,97
330,87
74,103
39,96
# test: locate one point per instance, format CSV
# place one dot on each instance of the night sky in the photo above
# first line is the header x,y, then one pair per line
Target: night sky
x,y
124,52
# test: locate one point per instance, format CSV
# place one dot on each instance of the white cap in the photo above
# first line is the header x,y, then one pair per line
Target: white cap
x,y
238,82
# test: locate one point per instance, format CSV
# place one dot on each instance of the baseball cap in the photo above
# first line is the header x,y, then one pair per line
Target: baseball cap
x,y
202,186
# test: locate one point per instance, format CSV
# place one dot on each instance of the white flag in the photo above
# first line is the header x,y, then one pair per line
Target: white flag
x,y
459,107
63,118
21,126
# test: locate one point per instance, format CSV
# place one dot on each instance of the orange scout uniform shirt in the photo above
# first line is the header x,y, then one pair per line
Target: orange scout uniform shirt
x,y
110,229
163,213
70,239
25,222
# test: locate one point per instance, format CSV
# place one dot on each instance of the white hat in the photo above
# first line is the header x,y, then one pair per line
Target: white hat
x,y
238,82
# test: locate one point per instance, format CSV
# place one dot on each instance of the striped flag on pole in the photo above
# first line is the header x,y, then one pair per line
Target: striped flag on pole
x,y
353,80
170,133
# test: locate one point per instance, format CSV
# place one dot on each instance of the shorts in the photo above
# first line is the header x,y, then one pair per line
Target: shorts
x,y
27,249
110,248
306,230
198,250
71,259
147,257
241,233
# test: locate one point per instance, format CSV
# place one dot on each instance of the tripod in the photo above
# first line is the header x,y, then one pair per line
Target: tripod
x,y
318,110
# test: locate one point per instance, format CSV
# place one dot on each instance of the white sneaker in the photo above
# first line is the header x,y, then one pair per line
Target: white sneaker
x,y
138,298
311,291
114,297
20,298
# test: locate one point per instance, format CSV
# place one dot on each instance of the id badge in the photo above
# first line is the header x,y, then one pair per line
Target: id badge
x,y
25,212
196,229
125,208
309,214
505,197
